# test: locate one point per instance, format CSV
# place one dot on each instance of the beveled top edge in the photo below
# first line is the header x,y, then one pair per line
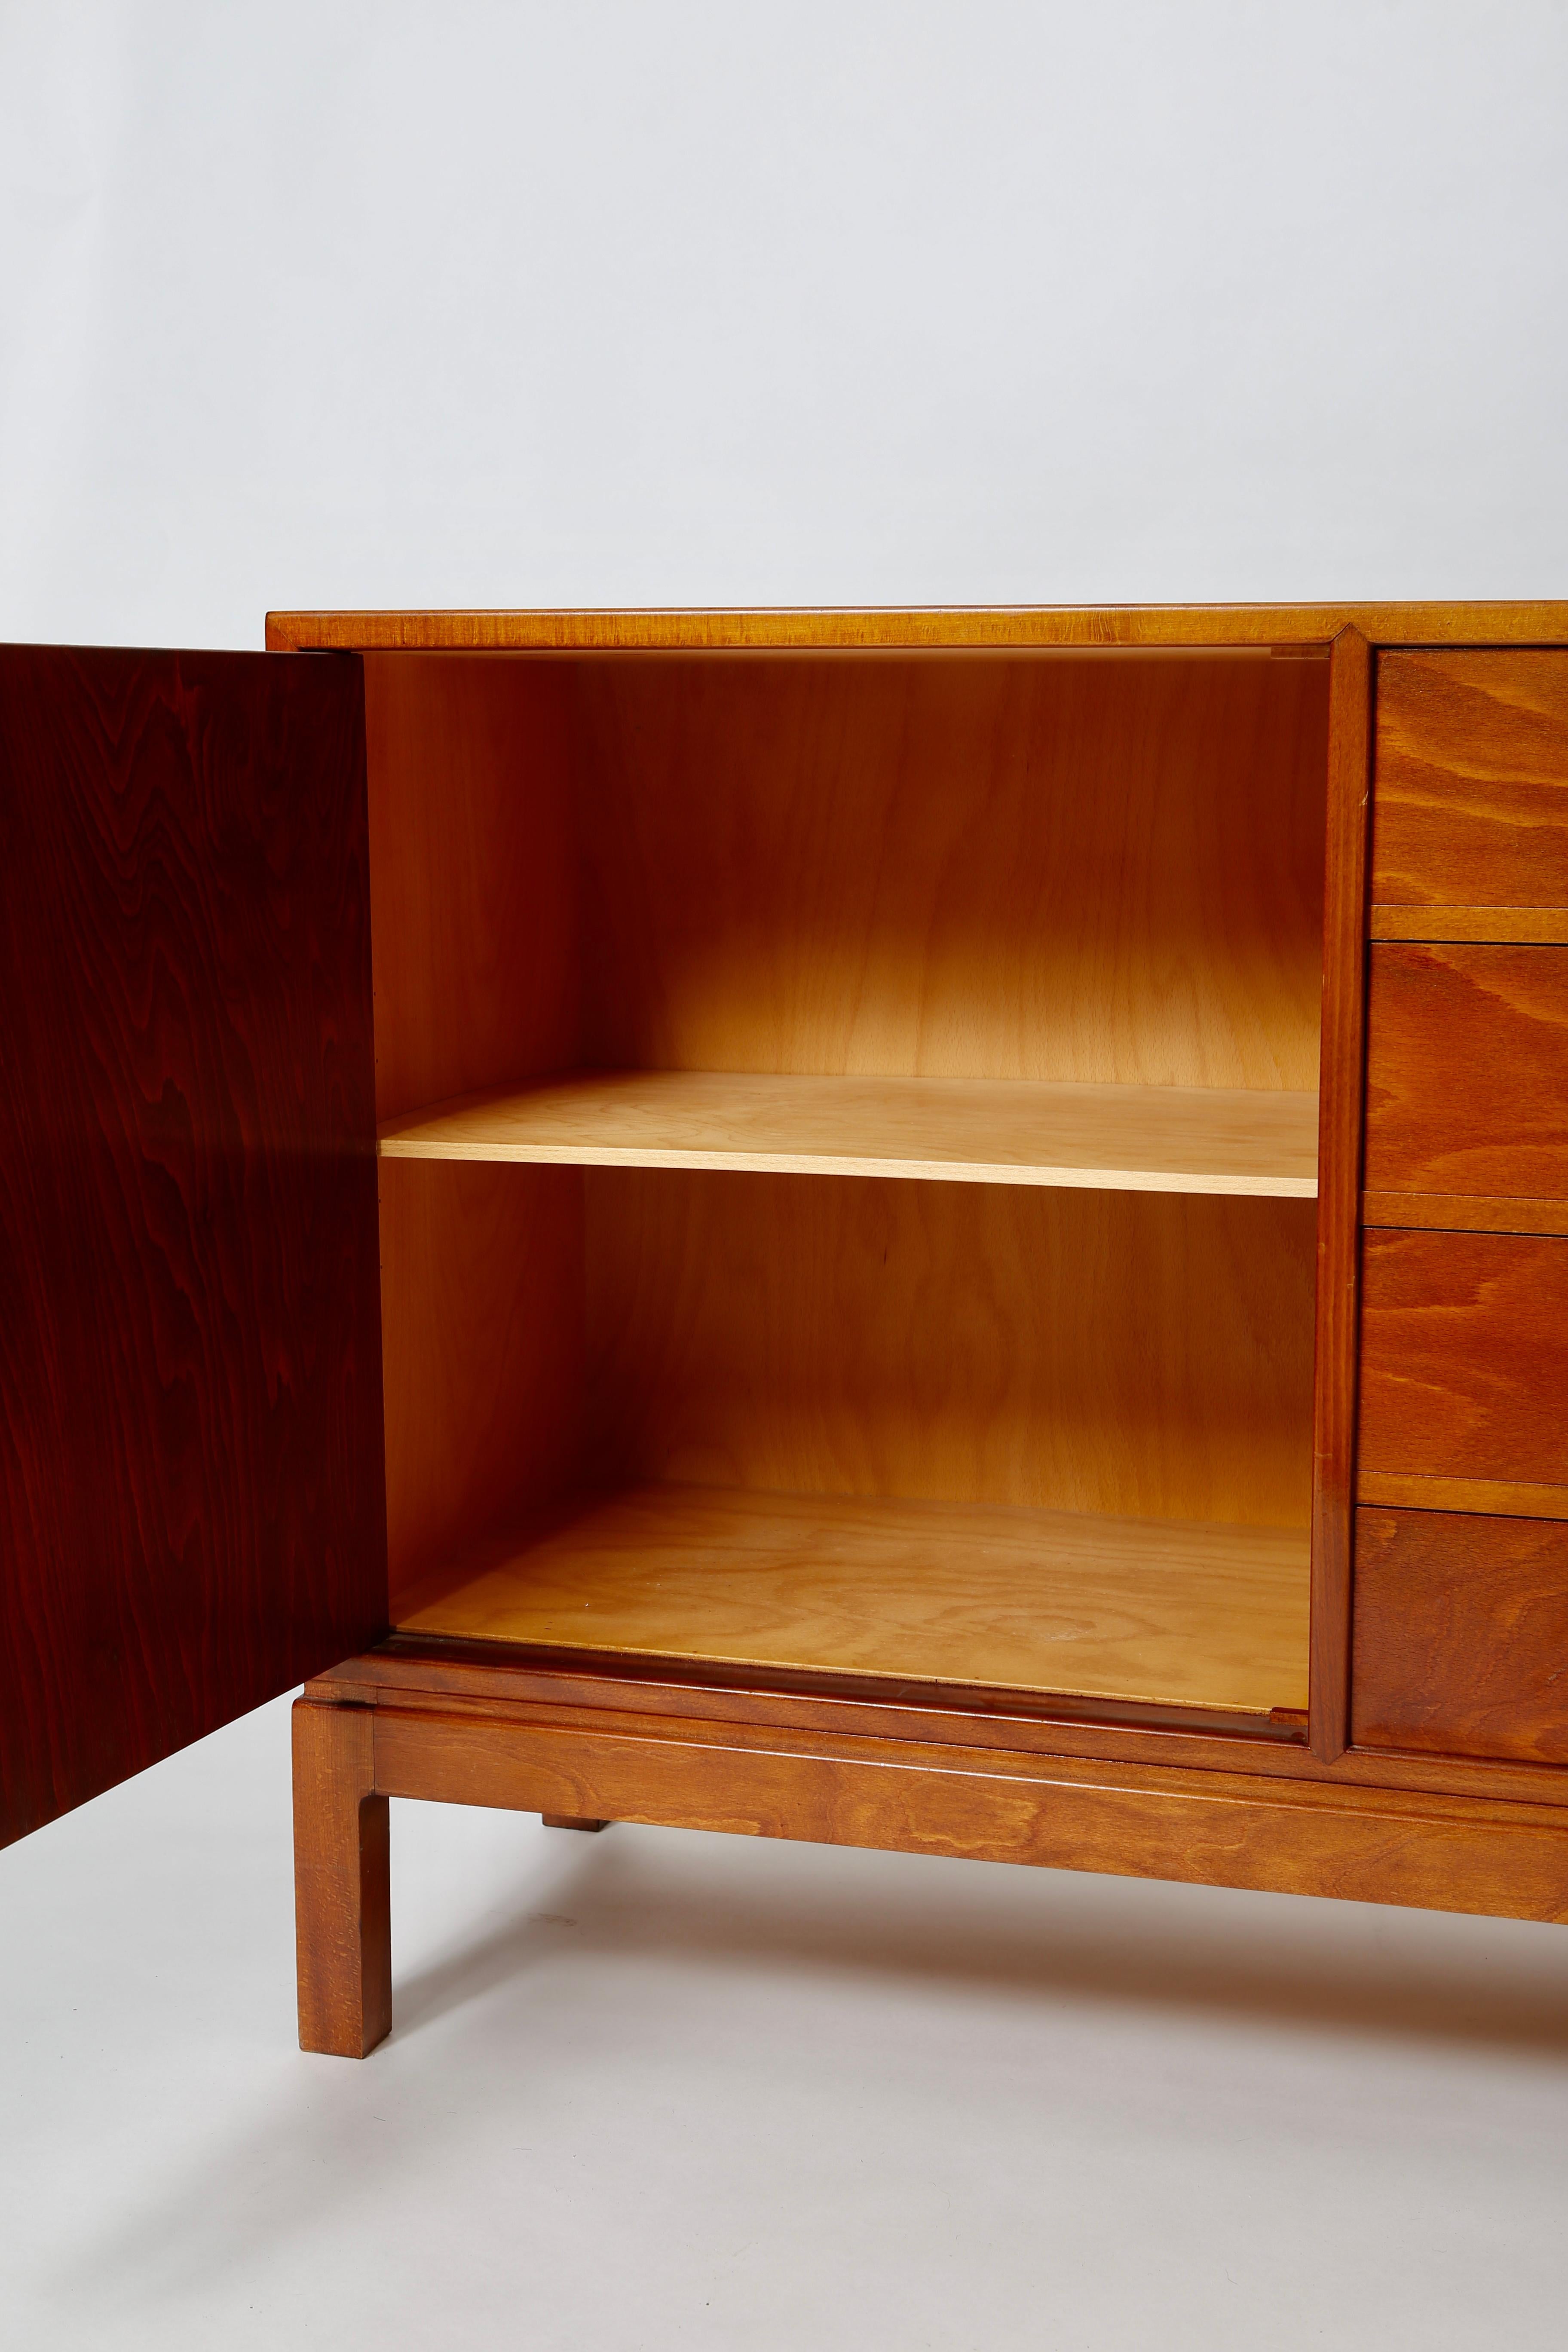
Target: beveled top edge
x,y
784,628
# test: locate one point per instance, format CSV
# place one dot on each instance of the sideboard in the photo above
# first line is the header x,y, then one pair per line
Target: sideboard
x,y
941,1229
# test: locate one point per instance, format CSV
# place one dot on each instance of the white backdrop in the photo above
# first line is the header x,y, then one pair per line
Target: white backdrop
x,y
825,301
678,303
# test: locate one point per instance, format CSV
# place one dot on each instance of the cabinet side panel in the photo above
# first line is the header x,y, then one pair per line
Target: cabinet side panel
x,y
191,1495
482,1315
476,896
473,875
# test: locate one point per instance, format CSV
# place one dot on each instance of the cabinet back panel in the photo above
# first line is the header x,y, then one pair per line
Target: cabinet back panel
x,y
482,1340
1144,1355
474,896
1105,868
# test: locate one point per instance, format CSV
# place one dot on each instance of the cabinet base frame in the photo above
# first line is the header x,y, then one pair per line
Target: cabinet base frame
x,y
1480,1854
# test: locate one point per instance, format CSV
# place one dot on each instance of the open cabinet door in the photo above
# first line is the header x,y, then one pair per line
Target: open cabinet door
x,y
192,1501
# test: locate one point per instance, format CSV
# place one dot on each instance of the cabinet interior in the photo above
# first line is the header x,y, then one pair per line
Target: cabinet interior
x,y
848,1158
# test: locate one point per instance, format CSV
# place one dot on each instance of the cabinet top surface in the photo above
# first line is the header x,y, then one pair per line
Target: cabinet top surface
x,y
869,627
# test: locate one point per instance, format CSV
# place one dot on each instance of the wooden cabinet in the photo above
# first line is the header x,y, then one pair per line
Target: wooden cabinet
x,y
875,1301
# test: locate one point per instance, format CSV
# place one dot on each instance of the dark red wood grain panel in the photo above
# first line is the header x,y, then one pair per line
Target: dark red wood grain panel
x,y
1461,1634
192,1506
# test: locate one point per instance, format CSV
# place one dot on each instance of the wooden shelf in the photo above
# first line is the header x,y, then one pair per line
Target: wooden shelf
x,y
966,1130
1164,1612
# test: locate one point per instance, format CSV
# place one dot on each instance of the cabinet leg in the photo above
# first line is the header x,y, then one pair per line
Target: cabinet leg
x,y
570,1821
341,1902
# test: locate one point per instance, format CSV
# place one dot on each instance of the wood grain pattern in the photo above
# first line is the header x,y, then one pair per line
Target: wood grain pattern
x,y
482,1318
1212,1617
1472,779
1526,926
1461,1634
411,1671
1505,1497
1284,626
1214,1828
1141,1355
473,876
190,1511
476,944
1467,1072
342,1909
1338,1182
1104,870
1465,1356
1476,1212
961,1130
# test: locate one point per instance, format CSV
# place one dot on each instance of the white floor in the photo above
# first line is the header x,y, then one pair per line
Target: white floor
x,y
649,2089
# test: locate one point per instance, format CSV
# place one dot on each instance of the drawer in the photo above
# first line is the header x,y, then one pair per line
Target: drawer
x,y
1464,1364
1470,792
1461,1636
1467,1071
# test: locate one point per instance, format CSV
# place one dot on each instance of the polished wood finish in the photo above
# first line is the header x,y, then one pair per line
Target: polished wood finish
x,y
576,1687
1216,1828
1465,1356
1467,1085
476,945
190,1444
1526,926
1461,1642
1142,1355
1505,1497
1477,1212
1472,779
343,1916
1104,870
1287,628
879,890
957,1131
1338,1185
768,1428
1213,1617
1030,903
482,1289
473,877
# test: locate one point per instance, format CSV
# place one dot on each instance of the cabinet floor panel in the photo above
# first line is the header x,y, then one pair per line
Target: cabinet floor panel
x,y
1162,1612
1140,1139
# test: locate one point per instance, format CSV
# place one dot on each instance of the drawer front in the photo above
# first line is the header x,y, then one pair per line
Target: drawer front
x,y
1464,1362
1470,796
1461,1636
1467,1088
